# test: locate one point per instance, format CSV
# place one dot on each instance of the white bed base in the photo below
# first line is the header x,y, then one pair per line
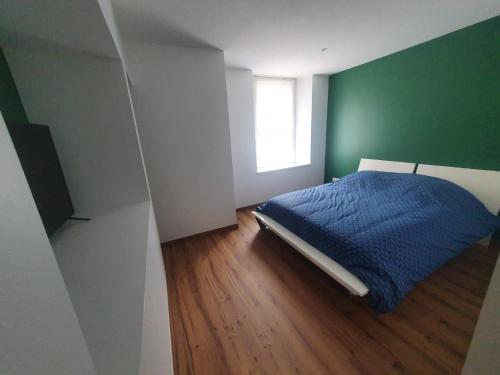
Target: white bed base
x,y
485,185
327,264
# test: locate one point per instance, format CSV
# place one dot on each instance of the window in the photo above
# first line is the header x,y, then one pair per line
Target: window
x,y
275,123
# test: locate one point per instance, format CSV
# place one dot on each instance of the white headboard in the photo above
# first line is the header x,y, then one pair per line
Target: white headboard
x,y
485,185
385,166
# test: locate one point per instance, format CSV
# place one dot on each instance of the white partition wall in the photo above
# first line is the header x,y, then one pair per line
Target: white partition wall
x,y
84,100
39,331
102,307
179,97
483,356
156,353
103,263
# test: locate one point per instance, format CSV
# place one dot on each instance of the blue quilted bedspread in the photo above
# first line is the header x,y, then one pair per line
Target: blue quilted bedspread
x,y
391,230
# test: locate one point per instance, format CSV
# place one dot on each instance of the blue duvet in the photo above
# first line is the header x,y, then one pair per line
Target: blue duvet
x,y
391,230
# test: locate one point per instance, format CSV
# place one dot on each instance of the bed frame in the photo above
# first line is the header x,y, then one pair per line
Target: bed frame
x,y
485,185
386,166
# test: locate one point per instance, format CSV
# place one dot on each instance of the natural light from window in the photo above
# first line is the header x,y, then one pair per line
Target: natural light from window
x,y
275,122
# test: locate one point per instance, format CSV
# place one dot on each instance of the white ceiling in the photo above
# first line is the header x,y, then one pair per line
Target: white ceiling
x,y
285,37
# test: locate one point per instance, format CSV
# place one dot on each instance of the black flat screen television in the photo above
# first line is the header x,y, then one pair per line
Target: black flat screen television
x,y
38,156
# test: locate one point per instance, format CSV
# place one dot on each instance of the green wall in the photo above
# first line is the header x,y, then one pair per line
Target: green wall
x,y
10,102
435,103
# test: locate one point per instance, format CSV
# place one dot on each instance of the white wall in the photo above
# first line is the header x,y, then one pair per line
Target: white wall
x,y
484,351
39,331
75,82
180,102
103,263
250,187
303,123
109,16
85,102
80,26
156,354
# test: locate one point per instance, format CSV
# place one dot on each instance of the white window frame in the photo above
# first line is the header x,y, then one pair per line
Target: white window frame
x,y
294,164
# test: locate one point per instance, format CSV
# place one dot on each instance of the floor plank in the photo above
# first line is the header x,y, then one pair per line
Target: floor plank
x,y
243,302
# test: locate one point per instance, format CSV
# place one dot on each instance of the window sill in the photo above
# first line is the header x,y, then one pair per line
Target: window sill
x,y
285,167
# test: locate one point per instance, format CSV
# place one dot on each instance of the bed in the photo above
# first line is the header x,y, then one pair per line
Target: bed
x,y
389,248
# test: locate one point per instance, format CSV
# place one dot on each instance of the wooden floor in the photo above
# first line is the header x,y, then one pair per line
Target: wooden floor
x,y
244,302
